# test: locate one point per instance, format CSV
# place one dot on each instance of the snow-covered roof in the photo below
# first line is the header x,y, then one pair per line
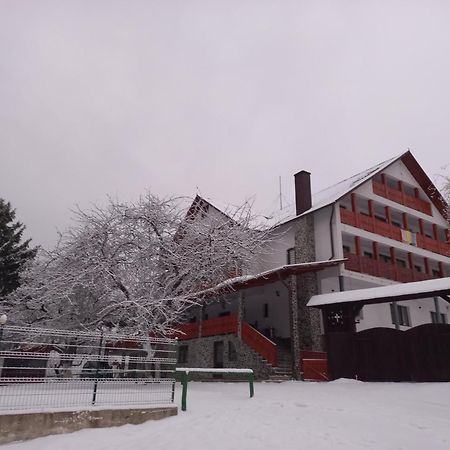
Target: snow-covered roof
x,y
331,194
335,192
384,294
269,276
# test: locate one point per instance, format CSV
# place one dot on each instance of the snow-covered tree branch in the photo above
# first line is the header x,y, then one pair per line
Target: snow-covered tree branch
x,y
446,194
136,265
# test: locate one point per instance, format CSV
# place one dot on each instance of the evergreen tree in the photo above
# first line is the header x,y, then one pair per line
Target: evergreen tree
x,y
13,253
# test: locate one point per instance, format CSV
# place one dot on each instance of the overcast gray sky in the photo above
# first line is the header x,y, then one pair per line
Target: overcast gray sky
x,y
116,97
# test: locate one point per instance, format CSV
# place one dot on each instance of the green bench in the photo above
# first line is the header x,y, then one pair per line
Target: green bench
x,y
184,378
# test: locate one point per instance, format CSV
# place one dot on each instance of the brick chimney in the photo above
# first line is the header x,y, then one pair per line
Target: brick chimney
x,y
303,199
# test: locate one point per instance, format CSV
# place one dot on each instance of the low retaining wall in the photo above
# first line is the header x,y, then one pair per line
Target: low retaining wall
x,y
15,427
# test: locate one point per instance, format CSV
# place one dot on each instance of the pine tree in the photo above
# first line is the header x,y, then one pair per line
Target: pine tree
x,y
13,253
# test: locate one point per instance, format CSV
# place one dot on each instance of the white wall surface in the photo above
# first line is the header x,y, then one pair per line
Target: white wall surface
x,y
275,253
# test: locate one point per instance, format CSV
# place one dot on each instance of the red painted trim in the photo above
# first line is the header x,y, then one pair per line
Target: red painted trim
x,y
358,245
405,221
390,231
354,203
435,232
390,271
229,325
421,226
427,266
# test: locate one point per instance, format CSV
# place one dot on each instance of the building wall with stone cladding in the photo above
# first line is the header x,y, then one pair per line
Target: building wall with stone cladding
x,y
201,354
308,319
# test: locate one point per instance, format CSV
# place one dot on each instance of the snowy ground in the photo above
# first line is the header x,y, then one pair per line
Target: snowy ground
x,y
343,415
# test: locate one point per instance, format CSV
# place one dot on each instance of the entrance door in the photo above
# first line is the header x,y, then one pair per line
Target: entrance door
x,y
218,354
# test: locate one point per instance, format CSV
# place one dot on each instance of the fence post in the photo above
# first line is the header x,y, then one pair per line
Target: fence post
x,y
94,395
251,378
184,384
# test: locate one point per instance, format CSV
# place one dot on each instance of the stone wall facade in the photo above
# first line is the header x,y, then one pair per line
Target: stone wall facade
x,y
236,354
308,319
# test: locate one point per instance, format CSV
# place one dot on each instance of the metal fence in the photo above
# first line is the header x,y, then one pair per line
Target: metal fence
x,y
43,369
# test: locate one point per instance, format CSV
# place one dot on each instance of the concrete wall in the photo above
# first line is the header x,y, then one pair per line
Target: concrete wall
x,y
15,427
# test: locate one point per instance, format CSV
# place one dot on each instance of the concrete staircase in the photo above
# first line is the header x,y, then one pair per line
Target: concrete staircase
x,y
283,372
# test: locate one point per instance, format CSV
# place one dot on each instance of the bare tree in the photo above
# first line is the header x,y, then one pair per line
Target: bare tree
x,y
138,265
445,190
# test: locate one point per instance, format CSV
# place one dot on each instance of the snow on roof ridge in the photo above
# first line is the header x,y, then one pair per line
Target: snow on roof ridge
x,y
364,173
347,184
320,199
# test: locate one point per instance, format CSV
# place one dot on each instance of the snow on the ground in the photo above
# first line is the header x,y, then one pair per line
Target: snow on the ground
x,y
341,415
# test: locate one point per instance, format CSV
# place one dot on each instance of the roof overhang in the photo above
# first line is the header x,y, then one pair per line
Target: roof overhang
x,y
439,287
267,277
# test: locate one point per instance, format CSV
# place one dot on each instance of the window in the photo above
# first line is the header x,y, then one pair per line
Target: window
x,y
266,310
435,317
385,258
224,314
401,263
346,248
418,268
291,256
368,254
402,315
436,273
232,354
183,354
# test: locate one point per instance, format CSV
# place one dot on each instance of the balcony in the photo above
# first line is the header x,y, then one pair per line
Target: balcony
x,y
400,197
376,226
229,325
379,268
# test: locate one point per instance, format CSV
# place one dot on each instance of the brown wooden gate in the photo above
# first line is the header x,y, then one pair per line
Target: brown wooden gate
x,y
314,366
384,354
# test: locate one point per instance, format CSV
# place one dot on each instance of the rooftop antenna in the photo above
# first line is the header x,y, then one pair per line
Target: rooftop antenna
x,y
281,197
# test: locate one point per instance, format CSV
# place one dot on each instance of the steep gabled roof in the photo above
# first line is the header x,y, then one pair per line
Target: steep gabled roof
x,y
334,193
339,190
201,204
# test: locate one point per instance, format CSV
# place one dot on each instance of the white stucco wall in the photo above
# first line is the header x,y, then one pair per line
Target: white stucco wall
x,y
380,315
275,252
276,296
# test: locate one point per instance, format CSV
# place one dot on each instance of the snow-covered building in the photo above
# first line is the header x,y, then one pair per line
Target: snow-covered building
x,y
383,226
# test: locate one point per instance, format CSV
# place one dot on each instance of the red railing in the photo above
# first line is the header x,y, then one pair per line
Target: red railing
x,y
400,197
371,224
379,268
258,342
187,331
374,225
219,325
229,325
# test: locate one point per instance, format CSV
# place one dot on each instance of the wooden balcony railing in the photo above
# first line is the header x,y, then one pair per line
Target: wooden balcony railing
x,y
220,325
379,268
187,331
400,197
374,225
229,325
